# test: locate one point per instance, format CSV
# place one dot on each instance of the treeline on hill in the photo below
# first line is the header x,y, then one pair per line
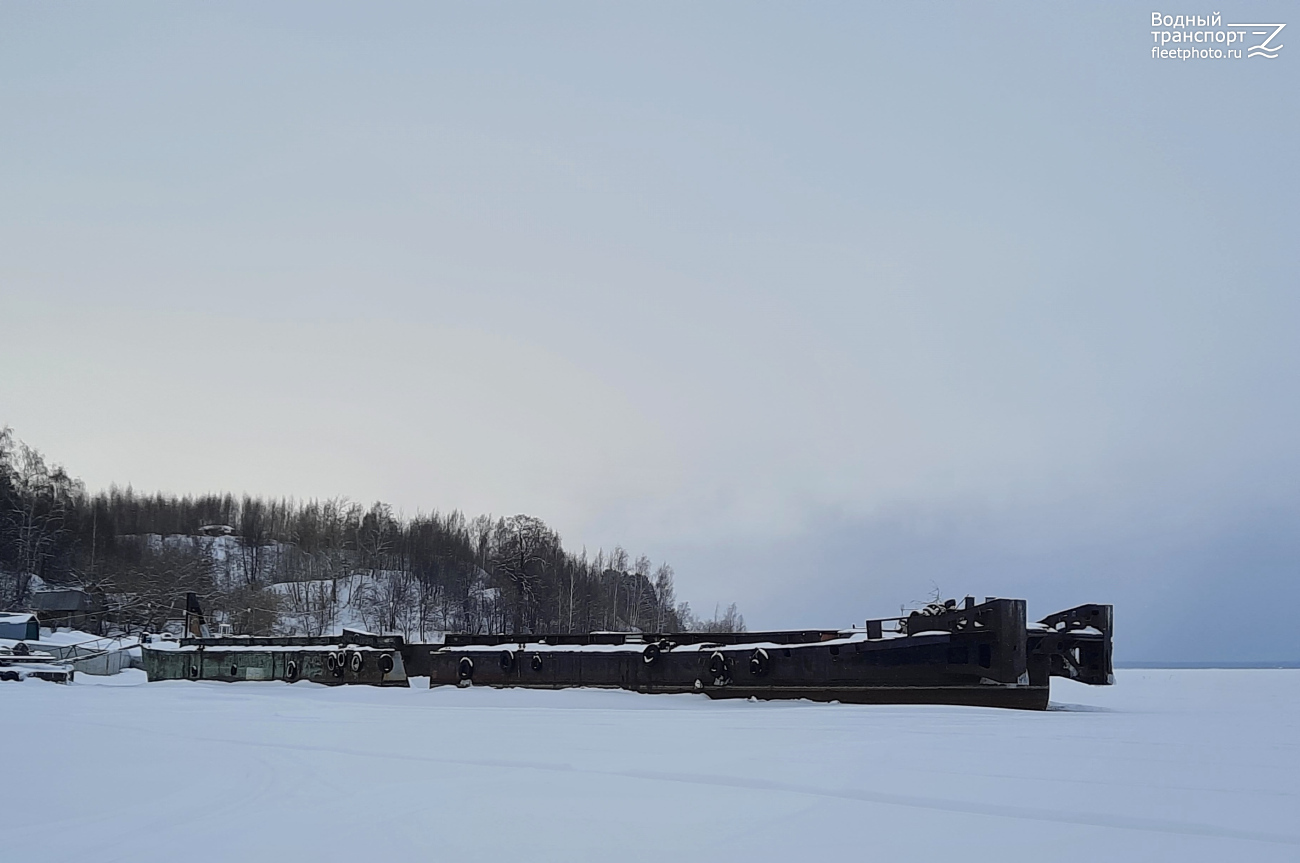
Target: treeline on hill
x,y
285,567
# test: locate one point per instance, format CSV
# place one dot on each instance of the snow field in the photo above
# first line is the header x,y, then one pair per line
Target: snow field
x,y
1188,765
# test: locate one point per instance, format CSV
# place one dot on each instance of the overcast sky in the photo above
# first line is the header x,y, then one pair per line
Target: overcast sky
x,y
825,304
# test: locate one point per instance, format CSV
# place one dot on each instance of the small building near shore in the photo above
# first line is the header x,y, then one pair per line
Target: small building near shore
x,y
67,607
20,627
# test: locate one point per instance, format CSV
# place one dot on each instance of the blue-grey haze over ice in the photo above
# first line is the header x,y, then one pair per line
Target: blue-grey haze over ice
x,y
826,304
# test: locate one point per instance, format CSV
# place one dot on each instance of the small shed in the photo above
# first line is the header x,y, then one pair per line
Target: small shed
x,y
20,627
67,606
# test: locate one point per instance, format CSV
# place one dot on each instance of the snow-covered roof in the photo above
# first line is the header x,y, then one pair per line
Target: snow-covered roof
x,y
15,618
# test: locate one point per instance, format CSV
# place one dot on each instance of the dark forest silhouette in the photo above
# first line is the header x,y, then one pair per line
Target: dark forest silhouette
x,y
282,566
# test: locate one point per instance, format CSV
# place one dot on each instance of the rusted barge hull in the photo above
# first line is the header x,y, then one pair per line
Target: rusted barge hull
x,y
983,654
353,657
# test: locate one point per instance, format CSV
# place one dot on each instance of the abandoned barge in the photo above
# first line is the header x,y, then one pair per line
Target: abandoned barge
x,y
986,654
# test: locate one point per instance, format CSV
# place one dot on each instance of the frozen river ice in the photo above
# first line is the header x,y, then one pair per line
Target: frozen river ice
x,y
1168,765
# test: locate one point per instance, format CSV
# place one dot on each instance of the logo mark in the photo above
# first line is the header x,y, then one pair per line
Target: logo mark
x,y
1263,49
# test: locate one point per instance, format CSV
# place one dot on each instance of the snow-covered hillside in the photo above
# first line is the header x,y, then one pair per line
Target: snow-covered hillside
x,y
233,562
1167,765
274,588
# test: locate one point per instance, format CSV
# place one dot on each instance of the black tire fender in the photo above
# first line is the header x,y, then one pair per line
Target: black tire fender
x,y
536,662
651,654
465,668
507,660
759,662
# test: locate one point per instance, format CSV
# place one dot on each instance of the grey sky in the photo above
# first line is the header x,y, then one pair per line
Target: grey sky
x,y
820,302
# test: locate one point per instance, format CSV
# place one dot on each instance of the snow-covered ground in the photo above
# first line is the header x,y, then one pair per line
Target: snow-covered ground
x,y
1181,765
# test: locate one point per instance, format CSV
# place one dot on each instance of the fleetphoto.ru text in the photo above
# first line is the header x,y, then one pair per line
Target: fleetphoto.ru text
x,y
1206,37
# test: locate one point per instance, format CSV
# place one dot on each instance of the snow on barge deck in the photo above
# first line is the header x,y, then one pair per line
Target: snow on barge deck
x,y
984,654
